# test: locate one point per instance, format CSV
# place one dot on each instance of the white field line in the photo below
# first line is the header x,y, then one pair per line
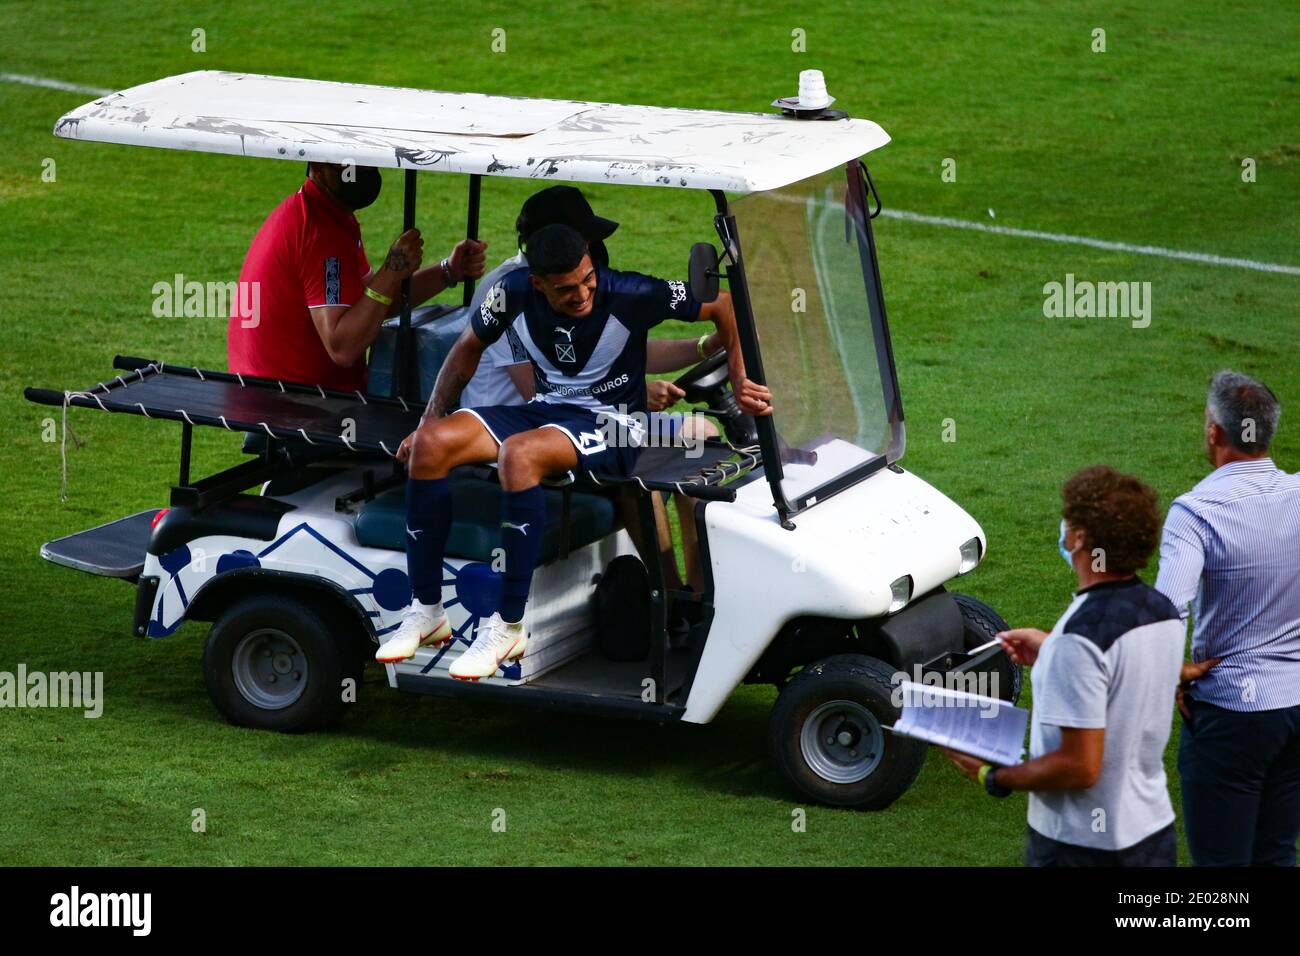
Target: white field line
x,y
52,84
1204,258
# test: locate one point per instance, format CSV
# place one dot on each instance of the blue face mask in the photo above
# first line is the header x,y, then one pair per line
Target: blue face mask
x,y
1060,545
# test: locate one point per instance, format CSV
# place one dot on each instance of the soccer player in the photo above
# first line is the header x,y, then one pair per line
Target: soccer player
x,y
505,377
584,328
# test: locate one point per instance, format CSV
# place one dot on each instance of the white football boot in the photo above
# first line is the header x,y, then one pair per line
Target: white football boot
x,y
496,643
423,625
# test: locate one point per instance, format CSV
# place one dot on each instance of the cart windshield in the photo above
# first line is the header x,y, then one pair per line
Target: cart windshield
x,y
814,288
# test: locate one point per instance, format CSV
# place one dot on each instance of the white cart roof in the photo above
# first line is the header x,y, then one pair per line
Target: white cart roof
x,y
279,117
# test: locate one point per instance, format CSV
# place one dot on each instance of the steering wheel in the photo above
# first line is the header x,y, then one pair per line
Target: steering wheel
x,y
710,382
702,382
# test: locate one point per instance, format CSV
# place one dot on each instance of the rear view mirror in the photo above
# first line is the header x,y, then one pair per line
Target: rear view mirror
x,y
703,272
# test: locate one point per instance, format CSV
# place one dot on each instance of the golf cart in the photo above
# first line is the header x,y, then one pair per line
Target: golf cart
x,y
825,560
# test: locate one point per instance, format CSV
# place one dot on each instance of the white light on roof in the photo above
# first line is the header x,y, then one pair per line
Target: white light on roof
x,y
813,96
812,90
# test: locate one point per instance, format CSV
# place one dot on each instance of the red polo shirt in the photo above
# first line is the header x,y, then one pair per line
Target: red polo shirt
x,y
306,255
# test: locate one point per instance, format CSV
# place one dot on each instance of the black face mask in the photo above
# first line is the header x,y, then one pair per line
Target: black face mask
x,y
364,188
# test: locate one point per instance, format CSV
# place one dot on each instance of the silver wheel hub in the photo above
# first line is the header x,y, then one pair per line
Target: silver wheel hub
x,y
269,669
842,741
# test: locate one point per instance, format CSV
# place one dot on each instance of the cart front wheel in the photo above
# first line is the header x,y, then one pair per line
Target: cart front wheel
x,y
280,663
981,624
828,737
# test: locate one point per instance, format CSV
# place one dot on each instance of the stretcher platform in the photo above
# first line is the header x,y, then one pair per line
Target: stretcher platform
x,y
348,423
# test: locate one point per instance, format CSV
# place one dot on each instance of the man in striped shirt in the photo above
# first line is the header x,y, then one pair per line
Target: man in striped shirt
x,y
1231,548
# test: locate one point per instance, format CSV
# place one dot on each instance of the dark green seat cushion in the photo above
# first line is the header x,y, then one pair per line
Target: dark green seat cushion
x,y
476,524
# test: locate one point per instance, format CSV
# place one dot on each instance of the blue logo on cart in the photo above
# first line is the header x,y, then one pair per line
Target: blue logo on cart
x,y
479,588
391,589
236,560
174,561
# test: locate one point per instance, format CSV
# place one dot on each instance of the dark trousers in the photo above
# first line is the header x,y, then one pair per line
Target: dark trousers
x,y
1241,785
1159,849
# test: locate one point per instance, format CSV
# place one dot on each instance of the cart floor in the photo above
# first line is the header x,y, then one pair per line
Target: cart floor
x,y
588,684
593,674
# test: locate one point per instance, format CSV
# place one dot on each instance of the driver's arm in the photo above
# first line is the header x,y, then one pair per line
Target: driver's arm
x,y
459,367
669,355
467,260
347,331
754,399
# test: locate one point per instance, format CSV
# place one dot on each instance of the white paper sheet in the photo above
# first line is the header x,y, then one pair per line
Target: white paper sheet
x,y
985,727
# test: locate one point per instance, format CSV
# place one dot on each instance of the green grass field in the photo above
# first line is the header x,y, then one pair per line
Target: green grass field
x,y
1140,144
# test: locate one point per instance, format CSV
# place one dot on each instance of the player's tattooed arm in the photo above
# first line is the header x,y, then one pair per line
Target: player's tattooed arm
x,y
462,361
446,392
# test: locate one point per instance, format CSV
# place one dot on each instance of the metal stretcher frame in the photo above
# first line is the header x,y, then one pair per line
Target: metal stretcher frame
x,y
287,409
115,395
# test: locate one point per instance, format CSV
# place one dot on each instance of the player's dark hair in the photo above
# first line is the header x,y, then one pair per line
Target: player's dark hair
x,y
555,249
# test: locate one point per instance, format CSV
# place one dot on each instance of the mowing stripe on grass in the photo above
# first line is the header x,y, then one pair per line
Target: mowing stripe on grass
x,y
52,84
1202,257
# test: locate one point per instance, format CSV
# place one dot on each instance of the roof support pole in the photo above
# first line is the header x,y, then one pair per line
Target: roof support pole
x,y
748,333
406,381
471,226
187,436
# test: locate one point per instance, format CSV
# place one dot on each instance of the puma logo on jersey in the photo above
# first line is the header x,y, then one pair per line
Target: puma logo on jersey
x,y
521,528
413,534
567,333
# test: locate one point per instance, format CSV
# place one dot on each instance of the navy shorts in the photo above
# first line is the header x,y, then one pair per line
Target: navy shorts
x,y
588,432
1159,849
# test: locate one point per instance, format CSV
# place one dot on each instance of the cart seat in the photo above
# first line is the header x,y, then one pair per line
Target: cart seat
x,y
476,528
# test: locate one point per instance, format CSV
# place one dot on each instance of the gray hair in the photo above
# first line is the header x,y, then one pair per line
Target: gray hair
x,y
1245,409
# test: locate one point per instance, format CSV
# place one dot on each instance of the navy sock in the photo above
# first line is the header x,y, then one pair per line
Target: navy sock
x,y
428,522
523,521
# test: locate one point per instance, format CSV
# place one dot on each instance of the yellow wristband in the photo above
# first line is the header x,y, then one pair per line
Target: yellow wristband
x,y
984,772
379,296
699,345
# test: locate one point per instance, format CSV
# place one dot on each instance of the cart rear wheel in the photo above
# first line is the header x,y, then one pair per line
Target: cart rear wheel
x,y
279,663
828,737
980,624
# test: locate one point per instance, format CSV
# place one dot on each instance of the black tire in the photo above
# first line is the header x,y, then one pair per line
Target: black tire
x,y
243,680
843,688
980,624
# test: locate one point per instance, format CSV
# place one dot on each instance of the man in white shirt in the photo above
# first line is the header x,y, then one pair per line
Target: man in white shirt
x,y
1104,682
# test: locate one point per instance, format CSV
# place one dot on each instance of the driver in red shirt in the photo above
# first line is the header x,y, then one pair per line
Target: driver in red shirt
x,y
317,304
